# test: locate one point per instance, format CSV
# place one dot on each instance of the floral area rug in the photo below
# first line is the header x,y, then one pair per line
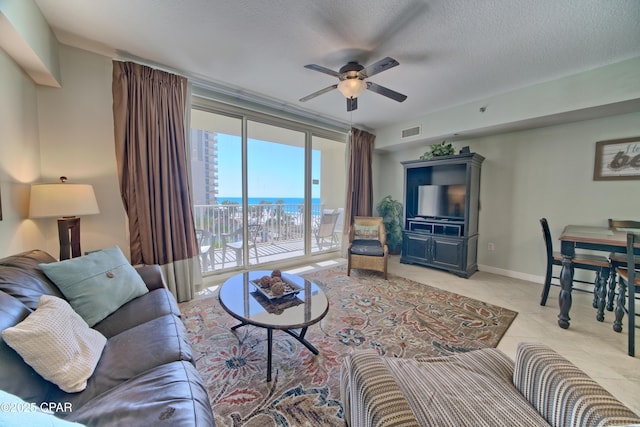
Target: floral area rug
x,y
397,317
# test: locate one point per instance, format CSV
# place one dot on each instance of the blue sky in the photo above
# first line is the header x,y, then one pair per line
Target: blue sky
x,y
274,170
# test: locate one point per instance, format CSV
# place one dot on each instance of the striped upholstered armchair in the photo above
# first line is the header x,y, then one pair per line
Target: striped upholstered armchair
x,y
478,388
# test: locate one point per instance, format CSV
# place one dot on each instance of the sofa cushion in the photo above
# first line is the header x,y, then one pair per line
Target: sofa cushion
x,y
170,395
30,386
22,278
137,311
57,343
134,351
562,393
27,414
96,284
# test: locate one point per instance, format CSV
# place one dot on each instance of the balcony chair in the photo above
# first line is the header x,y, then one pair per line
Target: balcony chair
x,y
207,247
367,245
618,259
628,279
338,229
597,263
326,227
234,241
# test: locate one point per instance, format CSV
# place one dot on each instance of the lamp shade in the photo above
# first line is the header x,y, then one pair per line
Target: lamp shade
x,y
352,88
62,200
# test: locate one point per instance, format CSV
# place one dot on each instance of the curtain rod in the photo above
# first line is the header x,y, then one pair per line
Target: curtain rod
x,y
242,95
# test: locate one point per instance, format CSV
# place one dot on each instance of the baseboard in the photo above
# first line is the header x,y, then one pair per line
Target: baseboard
x,y
535,279
513,274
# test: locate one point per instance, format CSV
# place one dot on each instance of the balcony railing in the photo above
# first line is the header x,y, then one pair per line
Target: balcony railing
x,y
280,232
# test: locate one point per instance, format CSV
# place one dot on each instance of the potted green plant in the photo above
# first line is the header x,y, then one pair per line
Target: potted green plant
x,y
437,150
391,212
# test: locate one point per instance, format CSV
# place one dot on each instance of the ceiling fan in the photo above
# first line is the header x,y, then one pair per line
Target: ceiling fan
x,y
352,81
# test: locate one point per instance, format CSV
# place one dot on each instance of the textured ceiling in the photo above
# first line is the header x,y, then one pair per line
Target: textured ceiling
x,y
450,51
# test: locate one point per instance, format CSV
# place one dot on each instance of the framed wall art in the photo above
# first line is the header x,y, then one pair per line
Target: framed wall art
x,y
617,159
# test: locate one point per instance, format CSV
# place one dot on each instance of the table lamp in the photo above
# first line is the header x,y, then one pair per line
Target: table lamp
x,y
66,201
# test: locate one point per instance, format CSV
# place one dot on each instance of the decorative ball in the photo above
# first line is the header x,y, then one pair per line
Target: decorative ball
x,y
274,280
265,281
277,288
276,273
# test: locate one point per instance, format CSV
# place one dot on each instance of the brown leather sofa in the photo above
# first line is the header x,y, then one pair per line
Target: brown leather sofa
x,y
146,375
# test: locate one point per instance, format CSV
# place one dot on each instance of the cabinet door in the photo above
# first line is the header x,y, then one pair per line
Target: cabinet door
x,y
416,246
447,252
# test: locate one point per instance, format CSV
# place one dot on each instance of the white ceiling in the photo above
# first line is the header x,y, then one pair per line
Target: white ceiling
x,y
450,51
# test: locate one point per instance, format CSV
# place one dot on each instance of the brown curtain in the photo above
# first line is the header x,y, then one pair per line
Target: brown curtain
x,y
149,108
359,185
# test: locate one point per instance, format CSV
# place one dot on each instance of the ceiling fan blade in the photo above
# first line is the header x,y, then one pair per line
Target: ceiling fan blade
x,y
322,69
352,104
378,67
318,93
386,92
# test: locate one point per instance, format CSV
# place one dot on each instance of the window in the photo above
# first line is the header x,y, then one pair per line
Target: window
x,y
263,186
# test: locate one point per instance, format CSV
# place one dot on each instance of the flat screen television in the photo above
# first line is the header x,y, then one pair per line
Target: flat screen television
x,y
442,201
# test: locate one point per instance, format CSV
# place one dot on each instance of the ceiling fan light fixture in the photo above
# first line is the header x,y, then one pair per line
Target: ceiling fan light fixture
x,y
352,88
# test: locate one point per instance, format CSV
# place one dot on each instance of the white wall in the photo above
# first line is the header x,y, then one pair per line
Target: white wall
x,y
19,158
577,97
530,174
76,140
48,132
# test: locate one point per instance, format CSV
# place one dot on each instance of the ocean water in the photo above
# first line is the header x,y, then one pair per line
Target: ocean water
x,y
257,200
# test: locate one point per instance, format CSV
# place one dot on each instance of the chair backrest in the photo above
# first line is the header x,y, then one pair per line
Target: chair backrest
x,y
546,234
328,222
623,223
254,232
364,222
340,222
633,239
205,240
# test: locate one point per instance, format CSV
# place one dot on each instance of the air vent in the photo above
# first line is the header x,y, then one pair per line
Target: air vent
x,y
414,131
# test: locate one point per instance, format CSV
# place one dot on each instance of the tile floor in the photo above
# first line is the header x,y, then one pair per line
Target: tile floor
x,y
593,346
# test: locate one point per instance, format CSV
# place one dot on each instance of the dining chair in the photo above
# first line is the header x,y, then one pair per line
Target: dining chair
x,y
599,264
367,245
628,282
618,259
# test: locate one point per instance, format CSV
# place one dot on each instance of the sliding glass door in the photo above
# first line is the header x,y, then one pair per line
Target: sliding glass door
x,y
261,188
328,186
276,189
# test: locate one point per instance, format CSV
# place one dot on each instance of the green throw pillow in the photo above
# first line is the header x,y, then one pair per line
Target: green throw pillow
x,y
96,284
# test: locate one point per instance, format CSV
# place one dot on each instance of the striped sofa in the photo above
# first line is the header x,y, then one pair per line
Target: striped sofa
x,y
478,388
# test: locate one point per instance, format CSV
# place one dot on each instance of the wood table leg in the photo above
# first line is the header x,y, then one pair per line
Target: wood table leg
x,y
602,293
619,311
612,290
566,283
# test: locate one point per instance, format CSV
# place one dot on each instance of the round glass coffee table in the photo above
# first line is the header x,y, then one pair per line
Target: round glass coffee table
x,y
303,304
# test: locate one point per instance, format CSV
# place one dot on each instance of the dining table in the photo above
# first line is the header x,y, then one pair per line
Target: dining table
x,y
595,238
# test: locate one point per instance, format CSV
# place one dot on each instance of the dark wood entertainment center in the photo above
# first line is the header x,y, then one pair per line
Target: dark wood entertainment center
x,y
441,204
